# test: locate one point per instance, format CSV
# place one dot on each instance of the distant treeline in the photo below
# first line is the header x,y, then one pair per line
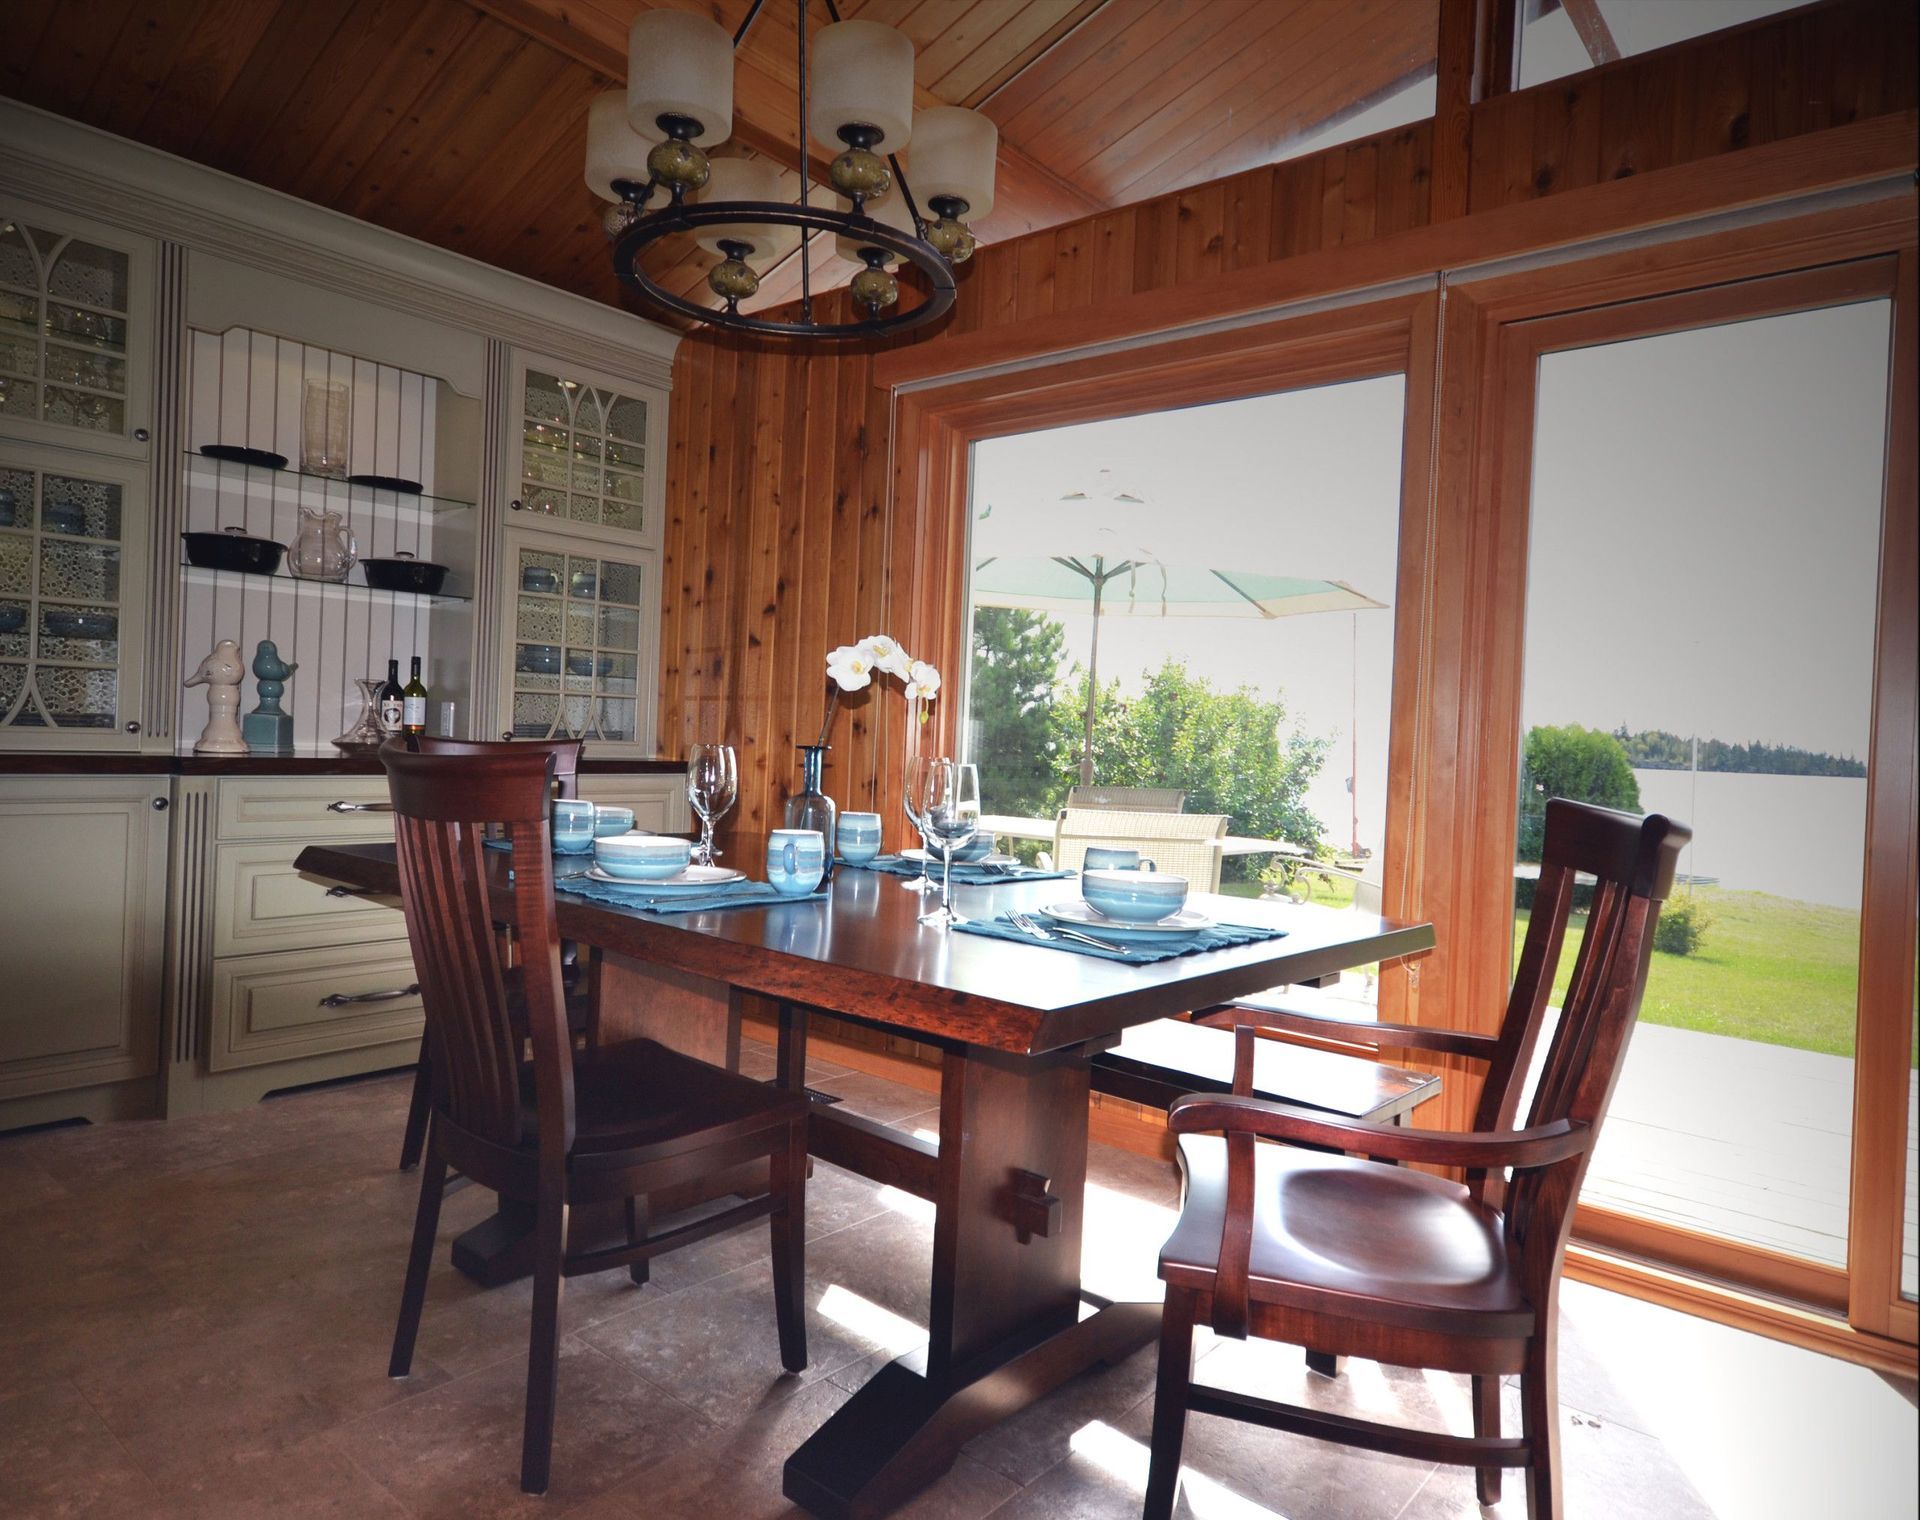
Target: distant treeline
x,y
1655,749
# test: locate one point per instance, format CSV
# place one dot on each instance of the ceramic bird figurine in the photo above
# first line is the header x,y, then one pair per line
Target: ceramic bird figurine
x,y
267,729
220,673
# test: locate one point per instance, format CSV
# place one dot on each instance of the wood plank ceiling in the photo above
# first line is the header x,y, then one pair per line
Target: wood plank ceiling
x,y
463,122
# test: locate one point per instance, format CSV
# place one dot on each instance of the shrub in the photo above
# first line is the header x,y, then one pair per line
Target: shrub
x,y
1682,928
1581,764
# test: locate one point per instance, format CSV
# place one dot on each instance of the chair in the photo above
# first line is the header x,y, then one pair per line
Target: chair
x,y
566,769
1187,844
1130,799
1352,1257
611,1123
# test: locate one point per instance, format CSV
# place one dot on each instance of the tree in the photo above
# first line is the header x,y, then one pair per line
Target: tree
x,y
1016,666
1581,764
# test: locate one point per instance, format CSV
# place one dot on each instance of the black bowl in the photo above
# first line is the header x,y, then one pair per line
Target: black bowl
x,y
234,453
79,623
404,573
12,619
232,549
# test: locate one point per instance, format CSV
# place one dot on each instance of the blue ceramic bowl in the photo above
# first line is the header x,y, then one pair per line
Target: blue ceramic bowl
x,y
1134,897
642,857
572,827
609,820
859,837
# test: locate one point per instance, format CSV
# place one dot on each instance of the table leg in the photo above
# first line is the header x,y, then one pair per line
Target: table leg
x,y
1008,1322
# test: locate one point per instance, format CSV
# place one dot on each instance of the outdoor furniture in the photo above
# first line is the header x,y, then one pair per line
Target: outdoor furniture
x,y
1132,799
1016,1025
612,1124
1185,844
1352,1256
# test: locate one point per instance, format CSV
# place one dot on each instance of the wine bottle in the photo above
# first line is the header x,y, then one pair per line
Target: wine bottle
x,y
391,700
413,708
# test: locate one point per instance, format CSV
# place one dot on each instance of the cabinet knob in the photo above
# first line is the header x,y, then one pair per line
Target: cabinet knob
x,y
141,435
508,734
159,804
133,728
517,505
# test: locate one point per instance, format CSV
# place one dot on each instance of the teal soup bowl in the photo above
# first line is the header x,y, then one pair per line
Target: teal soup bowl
x,y
1134,897
642,857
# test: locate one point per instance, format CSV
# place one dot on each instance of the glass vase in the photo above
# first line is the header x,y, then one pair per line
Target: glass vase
x,y
325,419
810,807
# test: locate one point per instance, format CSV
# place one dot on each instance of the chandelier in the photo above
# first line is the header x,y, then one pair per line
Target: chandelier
x,y
646,154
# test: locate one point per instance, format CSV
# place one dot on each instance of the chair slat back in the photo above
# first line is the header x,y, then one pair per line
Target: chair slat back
x,y
443,805
1128,799
1632,860
566,754
1186,844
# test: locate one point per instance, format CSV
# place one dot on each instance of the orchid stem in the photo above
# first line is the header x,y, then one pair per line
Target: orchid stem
x,y
833,706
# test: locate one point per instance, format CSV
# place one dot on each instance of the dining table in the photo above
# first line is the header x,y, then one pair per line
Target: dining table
x,y
1016,1025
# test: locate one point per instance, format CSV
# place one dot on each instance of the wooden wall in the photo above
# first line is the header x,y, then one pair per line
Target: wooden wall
x,y
781,539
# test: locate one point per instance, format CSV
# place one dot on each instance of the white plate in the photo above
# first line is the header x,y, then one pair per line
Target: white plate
x,y
690,882
1091,920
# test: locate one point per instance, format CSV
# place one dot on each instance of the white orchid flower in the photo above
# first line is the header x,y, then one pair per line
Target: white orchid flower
x,y
850,666
887,655
923,681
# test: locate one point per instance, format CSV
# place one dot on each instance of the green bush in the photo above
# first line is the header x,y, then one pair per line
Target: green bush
x,y
1682,928
1581,764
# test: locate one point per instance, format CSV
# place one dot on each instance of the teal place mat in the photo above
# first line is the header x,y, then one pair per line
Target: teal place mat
x,y
742,894
966,873
1220,937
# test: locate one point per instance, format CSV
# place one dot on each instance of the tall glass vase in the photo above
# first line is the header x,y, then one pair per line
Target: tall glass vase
x,y
811,807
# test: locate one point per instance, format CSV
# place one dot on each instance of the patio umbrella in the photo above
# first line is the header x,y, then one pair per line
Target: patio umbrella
x,y
1097,558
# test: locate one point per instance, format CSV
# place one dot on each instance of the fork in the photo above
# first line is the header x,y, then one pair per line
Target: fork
x,y
1026,925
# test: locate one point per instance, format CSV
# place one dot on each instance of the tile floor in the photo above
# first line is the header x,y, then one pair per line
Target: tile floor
x,y
194,1320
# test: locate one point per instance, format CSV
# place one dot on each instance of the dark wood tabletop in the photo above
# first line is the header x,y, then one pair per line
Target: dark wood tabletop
x,y
863,952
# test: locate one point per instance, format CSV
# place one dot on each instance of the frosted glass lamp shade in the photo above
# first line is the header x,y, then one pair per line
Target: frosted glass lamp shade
x,y
890,210
679,64
744,179
614,149
862,75
954,152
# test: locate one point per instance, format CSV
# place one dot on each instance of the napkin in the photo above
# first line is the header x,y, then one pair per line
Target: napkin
x,y
739,894
1137,952
966,873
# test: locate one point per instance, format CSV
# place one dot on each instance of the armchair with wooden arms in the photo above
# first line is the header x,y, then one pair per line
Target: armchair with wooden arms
x,y
1347,1255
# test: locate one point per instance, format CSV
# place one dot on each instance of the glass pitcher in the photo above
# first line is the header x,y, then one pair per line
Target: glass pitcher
x,y
324,549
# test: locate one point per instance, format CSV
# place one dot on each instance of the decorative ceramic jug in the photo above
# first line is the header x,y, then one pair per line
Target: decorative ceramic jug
x,y
324,549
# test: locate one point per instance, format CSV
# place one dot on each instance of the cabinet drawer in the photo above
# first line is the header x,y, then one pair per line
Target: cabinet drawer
x,y
659,803
262,903
305,808
299,1003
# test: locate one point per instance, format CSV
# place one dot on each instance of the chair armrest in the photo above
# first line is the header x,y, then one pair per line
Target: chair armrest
x,y
1522,1149
1452,1042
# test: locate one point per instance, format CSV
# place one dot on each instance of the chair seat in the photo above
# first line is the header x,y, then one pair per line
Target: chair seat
x,y
639,1096
1339,1236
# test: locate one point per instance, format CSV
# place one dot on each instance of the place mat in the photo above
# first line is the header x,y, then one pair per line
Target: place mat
x,y
740,894
966,873
1220,937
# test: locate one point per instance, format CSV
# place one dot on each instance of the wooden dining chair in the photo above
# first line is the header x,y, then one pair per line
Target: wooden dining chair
x,y
1349,1256
566,770
609,1123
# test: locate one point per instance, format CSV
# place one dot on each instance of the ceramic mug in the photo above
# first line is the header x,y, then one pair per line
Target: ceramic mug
x,y
572,826
859,837
609,819
1111,858
796,860
1134,897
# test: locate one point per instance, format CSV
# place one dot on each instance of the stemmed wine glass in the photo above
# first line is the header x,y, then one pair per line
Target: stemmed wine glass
x,y
713,781
912,801
949,803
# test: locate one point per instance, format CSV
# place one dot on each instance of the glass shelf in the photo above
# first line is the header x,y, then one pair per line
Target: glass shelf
x,y
201,575
215,471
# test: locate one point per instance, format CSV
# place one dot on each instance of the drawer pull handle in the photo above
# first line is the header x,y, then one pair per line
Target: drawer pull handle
x,y
342,999
359,807
351,892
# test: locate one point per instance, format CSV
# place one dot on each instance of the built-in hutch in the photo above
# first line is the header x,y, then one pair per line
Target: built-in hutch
x,y
161,953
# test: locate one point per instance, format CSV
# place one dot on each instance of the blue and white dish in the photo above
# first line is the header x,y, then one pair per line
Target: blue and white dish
x,y
572,826
610,819
641,857
1078,915
1134,896
796,860
693,881
858,837
1102,857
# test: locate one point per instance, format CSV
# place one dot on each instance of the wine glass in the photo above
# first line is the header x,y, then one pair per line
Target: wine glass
x,y
713,781
949,804
912,802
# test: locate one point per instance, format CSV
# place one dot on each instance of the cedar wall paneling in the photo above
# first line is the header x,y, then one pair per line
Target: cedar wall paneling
x,y
780,533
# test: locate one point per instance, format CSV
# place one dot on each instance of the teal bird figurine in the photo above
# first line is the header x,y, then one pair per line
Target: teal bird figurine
x,y
269,730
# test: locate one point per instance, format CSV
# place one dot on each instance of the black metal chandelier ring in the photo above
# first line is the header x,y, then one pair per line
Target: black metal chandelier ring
x,y
861,230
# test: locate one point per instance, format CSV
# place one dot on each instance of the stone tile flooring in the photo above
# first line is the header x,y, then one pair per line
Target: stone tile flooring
x,y
194,1320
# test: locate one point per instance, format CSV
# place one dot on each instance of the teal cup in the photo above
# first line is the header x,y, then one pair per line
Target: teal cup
x,y
572,826
796,860
1102,857
859,837
609,820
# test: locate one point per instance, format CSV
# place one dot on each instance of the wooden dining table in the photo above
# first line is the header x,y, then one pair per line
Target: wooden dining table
x,y
1016,1025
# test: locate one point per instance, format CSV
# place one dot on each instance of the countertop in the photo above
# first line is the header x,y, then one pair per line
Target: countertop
x,y
20,764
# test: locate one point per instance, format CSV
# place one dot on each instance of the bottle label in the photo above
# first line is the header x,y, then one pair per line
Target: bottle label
x,y
414,712
390,714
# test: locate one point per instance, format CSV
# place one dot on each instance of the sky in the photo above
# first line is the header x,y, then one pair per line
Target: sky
x,y
1702,559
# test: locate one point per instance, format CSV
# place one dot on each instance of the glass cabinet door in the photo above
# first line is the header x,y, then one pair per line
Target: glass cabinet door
x,y
72,583
582,644
584,454
72,333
